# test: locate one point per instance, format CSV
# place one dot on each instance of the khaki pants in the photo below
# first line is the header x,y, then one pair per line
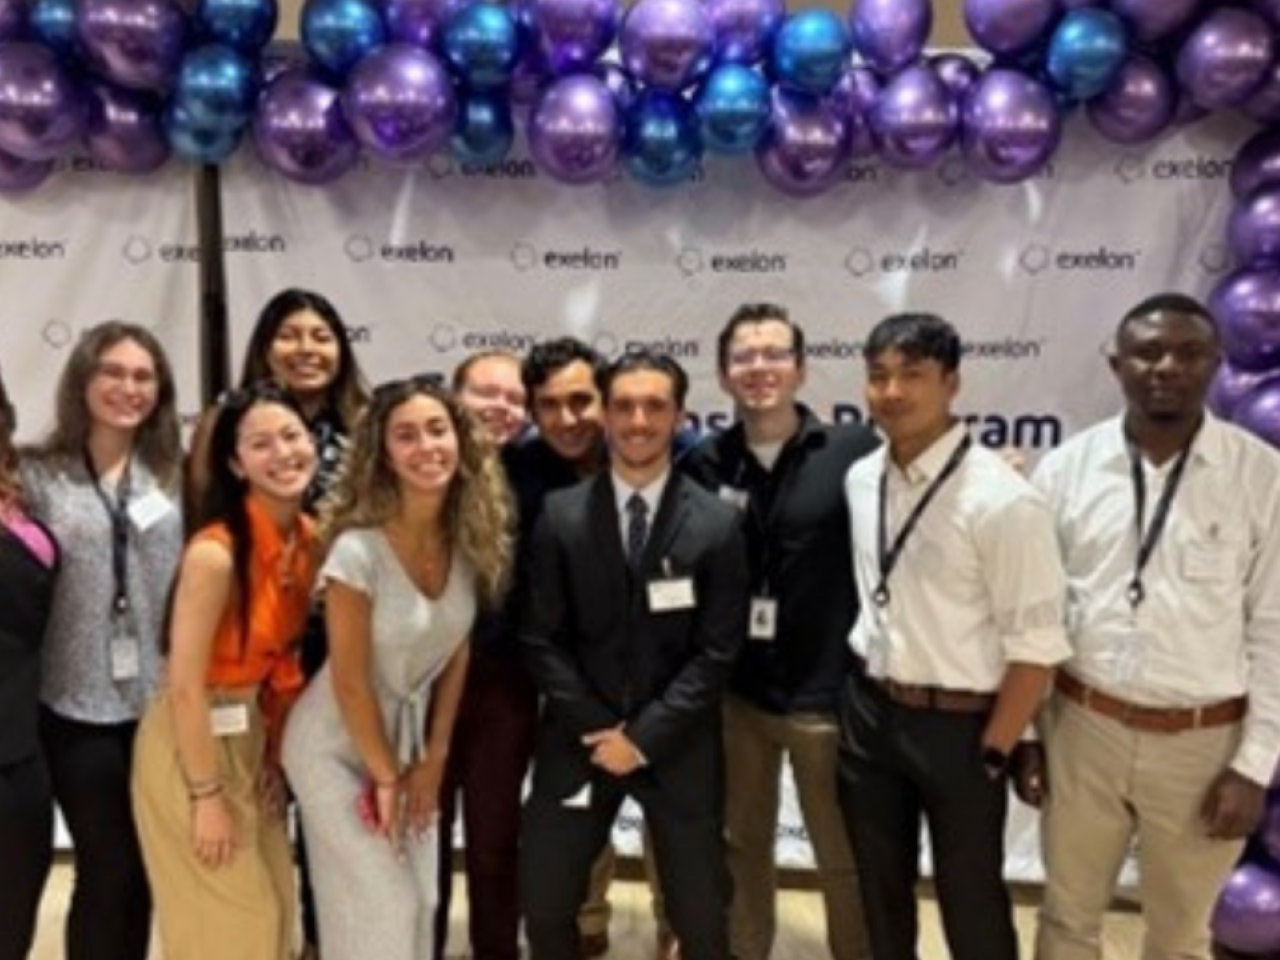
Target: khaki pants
x,y
596,911
755,742
1109,784
244,909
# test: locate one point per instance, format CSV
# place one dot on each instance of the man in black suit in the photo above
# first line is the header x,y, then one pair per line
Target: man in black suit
x,y
635,612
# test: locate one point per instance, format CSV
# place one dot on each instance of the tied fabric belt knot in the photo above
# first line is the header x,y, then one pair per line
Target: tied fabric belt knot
x,y
410,726
1147,719
923,697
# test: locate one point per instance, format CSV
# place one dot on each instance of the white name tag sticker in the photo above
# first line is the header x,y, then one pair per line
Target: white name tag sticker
x,y
675,593
229,719
578,801
734,496
126,657
1206,564
763,624
149,508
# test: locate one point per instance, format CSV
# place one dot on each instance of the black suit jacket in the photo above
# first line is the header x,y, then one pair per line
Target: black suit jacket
x,y
26,598
600,655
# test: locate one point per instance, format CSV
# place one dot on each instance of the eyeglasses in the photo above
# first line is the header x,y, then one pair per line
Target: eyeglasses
x,y
120,374
765,356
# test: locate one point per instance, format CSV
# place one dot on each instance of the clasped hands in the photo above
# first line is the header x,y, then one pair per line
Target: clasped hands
x,y
613,751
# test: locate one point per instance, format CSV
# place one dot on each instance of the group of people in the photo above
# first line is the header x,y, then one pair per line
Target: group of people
x,y
389,607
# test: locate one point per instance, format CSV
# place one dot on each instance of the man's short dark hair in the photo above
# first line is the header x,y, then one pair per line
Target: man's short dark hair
x,y
549,357
636,360
1168,302
753,313
917,336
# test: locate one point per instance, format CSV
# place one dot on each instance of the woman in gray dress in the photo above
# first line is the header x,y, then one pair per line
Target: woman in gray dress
x,y
419,530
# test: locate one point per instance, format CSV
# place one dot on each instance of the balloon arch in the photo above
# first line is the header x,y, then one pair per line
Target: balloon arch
x,y
650,91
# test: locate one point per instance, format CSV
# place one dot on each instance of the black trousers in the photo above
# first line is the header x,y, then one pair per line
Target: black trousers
x,y
26,851
899,766
110,915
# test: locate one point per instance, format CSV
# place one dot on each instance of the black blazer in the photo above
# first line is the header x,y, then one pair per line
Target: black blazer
x,y
26,597
601,657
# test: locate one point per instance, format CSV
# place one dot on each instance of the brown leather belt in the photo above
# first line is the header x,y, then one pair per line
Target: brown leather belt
x,y
1151,719
919,697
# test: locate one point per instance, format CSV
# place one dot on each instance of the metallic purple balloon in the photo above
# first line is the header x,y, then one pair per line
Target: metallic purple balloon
x,y
1138,104
1230,385
853,97
1226,57
575,129
915,118
124,132
806,148
1009,27
1150,20
667,44
890,34
300,131
1010,128
1257,164
136,44
13,19
418,22
1247,917
745,28
529,77
957,71
571,35
1263,104
1258,411
1254,229
18,175
1246,305
42,109
400,103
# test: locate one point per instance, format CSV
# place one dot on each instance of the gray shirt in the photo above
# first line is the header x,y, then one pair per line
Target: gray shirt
x,y
76,677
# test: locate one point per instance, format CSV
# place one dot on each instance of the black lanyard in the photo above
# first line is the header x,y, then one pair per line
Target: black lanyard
x,y
118,513
1149,538
888,555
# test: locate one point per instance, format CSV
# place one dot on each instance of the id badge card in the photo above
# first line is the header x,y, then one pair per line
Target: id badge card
x,y
126,656
229,719
763,624
672,593
148,509
1125,653
734,496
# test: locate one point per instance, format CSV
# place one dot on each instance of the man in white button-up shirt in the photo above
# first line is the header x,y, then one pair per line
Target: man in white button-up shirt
x,y
1166,721
960,627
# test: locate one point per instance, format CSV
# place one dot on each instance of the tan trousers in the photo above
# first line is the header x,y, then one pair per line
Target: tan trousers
x,y
1109,784
596,911
243,910
755,743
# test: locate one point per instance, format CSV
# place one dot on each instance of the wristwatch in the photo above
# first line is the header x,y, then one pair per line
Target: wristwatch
x,y
996,761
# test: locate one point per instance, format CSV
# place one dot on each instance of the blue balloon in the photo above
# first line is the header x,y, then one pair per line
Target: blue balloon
x,y
246,25
338,33
54,24
481,46
661,145
217,87
483,132
1086,51
810,50
195,142
733,106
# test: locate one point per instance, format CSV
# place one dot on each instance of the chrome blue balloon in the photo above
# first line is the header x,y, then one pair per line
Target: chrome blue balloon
x,y
338,33
661,145
480,44
1086,51
733,107
195,142
810,50
54,24
246,25
483,132
217,87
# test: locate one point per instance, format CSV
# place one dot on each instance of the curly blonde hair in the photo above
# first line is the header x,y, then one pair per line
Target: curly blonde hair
x,y
479,512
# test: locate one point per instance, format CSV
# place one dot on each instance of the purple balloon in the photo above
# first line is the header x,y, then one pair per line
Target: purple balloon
x,y
806,147
300,131
418,22
1150,20
42,110
1254,228
890,34
1226,57
915,118
1138,104
667,44
1269,832
1247,917
529,78
619,83
1269,9
124,132
13,20
18,175
136,44
1263,105
957,71
575,129
1246,305
571,35
1229,386
1256,165
400,103
1009,27
745,28
853,98
1010,128
1258,411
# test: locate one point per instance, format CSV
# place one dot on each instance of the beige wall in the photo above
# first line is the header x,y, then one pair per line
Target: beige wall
x,y
948,28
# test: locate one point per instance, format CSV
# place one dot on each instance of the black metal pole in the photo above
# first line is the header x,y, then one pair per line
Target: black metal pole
x,y
215,340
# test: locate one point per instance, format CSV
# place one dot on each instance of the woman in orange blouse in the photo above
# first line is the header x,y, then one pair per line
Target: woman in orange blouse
x,y
208,793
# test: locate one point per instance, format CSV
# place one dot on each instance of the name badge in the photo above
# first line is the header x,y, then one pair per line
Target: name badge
x,y
675,593
126,657
580,800
1206,564
229,719
734,496
1124,653
763,624
148,509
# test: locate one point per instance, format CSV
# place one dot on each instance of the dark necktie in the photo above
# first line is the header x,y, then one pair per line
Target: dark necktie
x,y
637,529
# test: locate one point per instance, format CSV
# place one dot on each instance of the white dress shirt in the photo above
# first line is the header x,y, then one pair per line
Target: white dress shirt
x,y
1208,628
978,584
